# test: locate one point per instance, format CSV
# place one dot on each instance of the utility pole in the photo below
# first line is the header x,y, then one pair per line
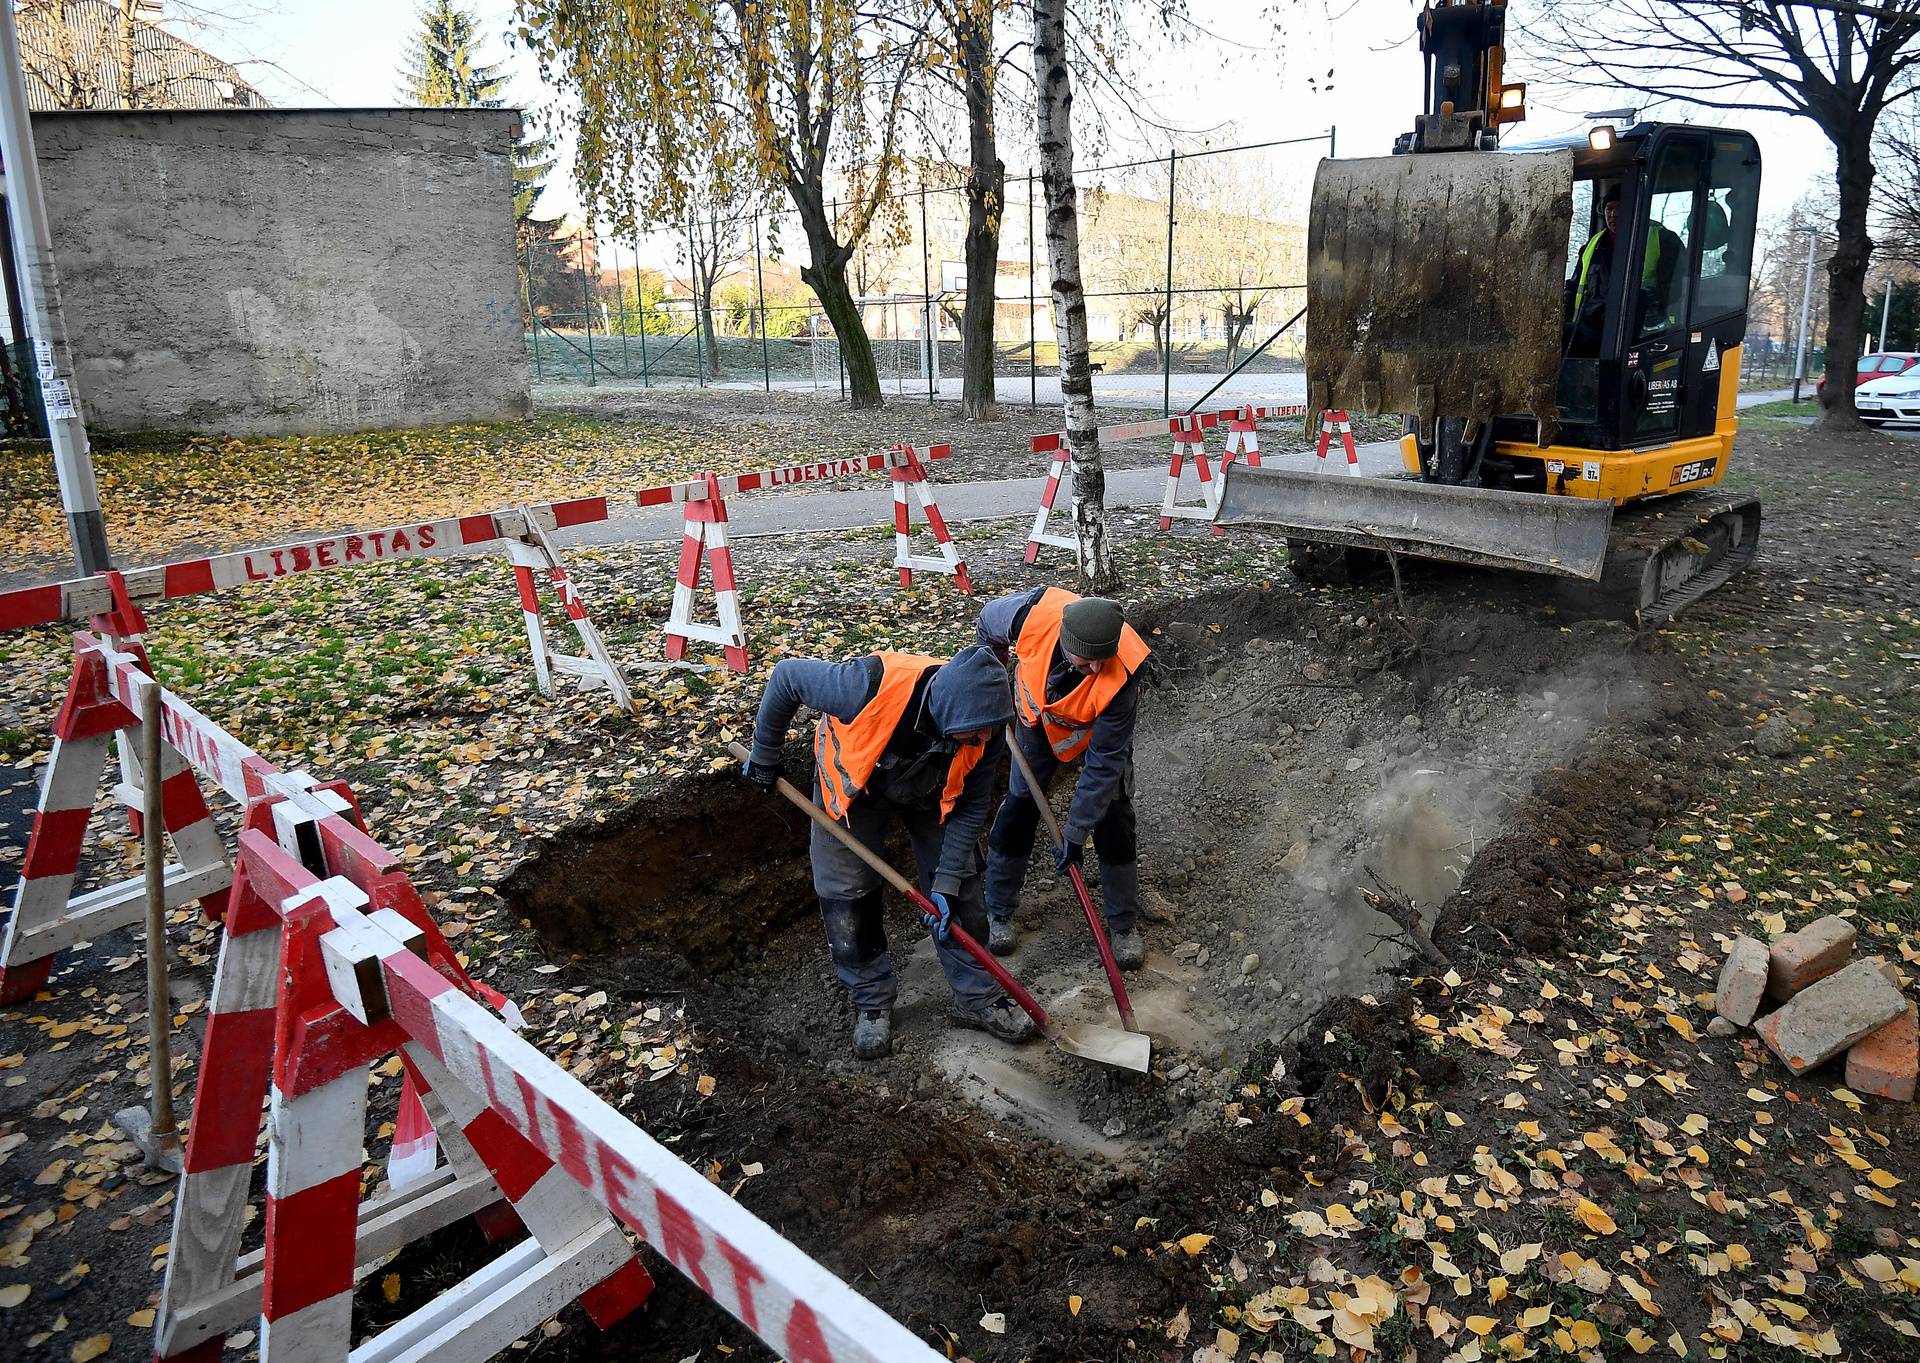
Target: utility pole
x,y
1886,310
40,292
1806,302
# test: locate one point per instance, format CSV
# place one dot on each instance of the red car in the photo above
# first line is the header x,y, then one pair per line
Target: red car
x,y
1877,366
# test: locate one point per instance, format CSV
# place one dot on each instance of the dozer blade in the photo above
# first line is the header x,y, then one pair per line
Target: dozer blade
x,y
1530,531
1434,285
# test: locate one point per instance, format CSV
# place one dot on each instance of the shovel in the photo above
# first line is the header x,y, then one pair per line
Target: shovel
x,y
1120,999
1089,1041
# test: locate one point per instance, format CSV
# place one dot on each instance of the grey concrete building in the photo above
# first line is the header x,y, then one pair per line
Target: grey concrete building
x,y
272,271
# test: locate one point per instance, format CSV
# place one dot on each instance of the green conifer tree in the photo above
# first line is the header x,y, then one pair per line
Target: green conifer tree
x,y
441,71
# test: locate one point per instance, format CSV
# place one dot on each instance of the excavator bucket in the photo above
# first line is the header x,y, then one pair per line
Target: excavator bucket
x,y
1529,531
1434,285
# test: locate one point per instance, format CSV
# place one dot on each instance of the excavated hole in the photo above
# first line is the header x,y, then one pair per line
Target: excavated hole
x,y
1291,743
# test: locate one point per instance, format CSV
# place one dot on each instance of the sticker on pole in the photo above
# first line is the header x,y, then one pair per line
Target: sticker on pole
x,y
43,359
59,399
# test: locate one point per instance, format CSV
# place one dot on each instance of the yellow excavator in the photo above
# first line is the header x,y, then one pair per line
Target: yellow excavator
x,y
1560,324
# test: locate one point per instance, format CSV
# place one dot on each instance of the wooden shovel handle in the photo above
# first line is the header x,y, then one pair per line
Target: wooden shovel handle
x,y
960,936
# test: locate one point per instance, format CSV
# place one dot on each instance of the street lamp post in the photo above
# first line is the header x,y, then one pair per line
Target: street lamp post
x,y
1806,302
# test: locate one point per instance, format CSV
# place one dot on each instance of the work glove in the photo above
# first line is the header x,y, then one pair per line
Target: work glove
x,y
761,775
1071,854
943,920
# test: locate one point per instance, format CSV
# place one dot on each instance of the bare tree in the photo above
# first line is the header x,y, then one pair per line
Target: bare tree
x,y
1836,62
1053,121
1898,157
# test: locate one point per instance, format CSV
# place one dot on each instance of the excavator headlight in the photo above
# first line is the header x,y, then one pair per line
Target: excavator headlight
x,y
1512,105
1601,139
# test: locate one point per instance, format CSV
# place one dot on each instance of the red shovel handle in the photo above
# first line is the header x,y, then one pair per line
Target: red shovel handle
x,y
1027,1002
1107,963
967,943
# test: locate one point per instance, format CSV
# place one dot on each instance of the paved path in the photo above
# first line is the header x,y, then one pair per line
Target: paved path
x,y
871,506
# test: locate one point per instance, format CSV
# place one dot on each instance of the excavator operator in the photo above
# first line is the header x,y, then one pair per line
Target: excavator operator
x,y
1587,291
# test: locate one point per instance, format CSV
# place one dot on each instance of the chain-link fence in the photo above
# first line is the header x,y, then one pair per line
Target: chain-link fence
x,y
1191,263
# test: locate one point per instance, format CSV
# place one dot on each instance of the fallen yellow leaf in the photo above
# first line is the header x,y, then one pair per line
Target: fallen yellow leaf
x,y
1194,1243
91,1348
1594,1217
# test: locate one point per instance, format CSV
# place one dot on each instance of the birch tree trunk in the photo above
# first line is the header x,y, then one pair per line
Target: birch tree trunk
x,y
1054,122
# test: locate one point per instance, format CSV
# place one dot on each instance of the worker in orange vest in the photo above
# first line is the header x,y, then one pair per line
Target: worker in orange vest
x,y
1076,682
901,736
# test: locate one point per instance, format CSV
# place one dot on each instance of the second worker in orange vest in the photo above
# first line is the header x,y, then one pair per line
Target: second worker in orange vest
x,y
1076,682
901,736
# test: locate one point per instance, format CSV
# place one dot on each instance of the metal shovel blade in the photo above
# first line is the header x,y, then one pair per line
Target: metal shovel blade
x,y
1104,1045
1530,531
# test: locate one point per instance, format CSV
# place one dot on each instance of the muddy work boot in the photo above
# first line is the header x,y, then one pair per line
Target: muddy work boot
x,y
997,1017
1129,952
1002,936
873,1036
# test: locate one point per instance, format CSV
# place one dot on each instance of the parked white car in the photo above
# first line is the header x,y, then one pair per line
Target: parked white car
x,y
1893,398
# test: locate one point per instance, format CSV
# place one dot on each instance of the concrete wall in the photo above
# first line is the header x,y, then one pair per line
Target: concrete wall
x,y
261,272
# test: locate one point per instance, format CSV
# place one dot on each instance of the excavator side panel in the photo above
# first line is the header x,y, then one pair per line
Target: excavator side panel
x,y
1434,284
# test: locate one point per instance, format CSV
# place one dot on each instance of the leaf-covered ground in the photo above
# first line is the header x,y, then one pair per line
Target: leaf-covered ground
x,y
1526,1157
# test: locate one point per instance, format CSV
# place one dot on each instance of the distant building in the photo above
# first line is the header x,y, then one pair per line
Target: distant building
x,y
94,54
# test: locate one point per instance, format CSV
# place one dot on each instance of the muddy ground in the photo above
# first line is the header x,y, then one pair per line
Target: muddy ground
x,y
1293,741
1485,752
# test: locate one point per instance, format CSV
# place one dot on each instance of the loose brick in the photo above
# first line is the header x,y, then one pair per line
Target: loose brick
x,y
1813,953
1886,1062
1824,1019
1743,981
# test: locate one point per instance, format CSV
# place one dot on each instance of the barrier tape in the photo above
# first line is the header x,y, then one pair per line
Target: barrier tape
x,y
1143,430
78,599
787,475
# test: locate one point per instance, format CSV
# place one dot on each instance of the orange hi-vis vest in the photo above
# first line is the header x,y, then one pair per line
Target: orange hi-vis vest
x,y
847,751
1067,722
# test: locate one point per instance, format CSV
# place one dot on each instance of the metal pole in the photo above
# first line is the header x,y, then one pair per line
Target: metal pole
x,y
1166,351
586,301
760,298
1033,334
154,868
1886,310
693,281
533,321
1806,302
1333,132
926,285
640,303
620,297
40,294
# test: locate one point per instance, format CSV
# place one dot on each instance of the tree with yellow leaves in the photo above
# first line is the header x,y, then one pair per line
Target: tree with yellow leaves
x,y
679,99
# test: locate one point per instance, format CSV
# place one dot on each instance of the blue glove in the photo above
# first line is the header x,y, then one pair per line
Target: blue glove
x,y
943,925
1071,854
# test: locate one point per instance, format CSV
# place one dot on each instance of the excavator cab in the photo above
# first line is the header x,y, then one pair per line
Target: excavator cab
x,y
1560,324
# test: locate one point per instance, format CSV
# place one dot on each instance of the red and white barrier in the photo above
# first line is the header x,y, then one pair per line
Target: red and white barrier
x,y
704,536
1335,422
329,963
1242,438
912,473
1243,441
1189,443
520,533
